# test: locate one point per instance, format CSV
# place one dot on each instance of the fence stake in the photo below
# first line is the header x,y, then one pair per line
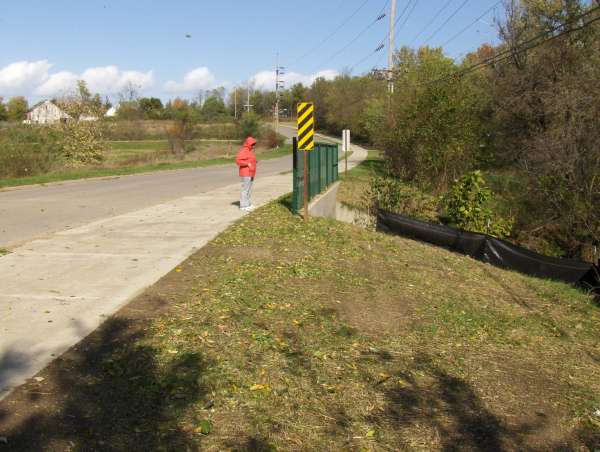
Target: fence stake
x,y
305,185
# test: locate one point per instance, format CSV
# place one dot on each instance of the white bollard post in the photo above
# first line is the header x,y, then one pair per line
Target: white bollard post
x,y
346,148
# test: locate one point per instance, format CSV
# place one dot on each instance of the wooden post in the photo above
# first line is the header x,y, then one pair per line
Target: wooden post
x,y
305,185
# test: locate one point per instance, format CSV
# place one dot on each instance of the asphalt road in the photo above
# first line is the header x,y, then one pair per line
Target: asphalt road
x,y
31,212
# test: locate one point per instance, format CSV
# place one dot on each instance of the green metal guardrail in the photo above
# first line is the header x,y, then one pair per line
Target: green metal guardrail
x,y
322,171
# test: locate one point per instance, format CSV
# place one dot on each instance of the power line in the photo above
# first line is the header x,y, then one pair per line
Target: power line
x,y
406,19
456,11
378,49
401,16
379,17
414,5
522,47
362,5
387,36
431,21
471,24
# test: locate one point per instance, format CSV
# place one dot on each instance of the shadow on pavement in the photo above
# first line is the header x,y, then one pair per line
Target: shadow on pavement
x,y
12,364
110,392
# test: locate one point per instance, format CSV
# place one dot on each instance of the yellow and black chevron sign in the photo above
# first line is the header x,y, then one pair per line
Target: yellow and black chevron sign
x,y
306,126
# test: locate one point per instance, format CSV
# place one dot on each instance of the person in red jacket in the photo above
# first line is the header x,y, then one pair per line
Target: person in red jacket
x,y
246,160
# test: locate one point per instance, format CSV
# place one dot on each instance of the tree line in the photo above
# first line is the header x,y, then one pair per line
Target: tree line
x,y
214,105
525,113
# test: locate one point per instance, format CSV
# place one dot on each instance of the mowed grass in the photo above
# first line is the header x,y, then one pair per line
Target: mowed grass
x,y
286,335
123,158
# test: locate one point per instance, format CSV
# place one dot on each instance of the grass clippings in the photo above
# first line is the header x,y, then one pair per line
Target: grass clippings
x,y
291,335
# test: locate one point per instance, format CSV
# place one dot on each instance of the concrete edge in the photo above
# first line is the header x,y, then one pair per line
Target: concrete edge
x,y
324,204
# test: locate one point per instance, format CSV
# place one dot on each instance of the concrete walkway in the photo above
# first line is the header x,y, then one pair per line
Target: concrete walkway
x,y
55,291
35,212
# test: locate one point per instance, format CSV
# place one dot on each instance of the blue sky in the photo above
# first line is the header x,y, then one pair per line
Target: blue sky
x,y
49,44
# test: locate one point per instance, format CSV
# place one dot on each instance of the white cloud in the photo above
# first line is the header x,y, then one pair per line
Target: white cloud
x,y
22,76
34,78
195,80
266,79
57,84
111,80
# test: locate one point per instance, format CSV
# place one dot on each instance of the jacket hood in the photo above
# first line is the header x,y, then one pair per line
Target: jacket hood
x,y
249,142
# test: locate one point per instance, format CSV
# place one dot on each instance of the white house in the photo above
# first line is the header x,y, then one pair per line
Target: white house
x,y
46,113
111,113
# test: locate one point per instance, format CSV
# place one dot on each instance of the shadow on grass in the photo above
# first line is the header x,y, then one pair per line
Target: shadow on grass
x,y
251,444
286,201
453,409
111,392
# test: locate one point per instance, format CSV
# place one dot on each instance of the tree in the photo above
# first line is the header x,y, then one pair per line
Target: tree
x,y
213,108
298,94
82,140
250,125
16,108
80,102
432,134
107,105
317,94
83,92
3,112
546,108
152,107
129,106
184,116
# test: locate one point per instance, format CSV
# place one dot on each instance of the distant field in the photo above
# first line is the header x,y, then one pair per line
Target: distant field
x,y
131,157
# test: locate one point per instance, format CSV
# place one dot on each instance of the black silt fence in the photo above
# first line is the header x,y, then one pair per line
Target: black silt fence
x,y
492,250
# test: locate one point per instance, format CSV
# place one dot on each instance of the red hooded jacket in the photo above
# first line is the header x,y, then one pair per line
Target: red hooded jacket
x,y
246,158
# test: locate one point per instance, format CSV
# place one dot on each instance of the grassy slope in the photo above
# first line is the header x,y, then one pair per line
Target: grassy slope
x,y
319,336
85,173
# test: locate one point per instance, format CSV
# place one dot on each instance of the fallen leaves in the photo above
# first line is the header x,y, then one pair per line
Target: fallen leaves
x,y
259,387
204,427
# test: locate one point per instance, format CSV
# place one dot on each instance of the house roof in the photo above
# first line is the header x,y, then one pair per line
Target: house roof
x,y
37,105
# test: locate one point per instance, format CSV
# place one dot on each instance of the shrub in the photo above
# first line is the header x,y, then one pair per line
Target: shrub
x,y
392,194
466,207
177,133
271,139
28,150
81,143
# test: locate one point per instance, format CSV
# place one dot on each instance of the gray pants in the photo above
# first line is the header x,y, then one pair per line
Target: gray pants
x,y
246,191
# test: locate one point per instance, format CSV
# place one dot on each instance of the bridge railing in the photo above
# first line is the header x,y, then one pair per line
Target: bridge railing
x,y
322,171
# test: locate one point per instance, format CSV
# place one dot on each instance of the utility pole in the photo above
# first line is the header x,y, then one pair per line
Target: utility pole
x,y
391,48
279,71
248,105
